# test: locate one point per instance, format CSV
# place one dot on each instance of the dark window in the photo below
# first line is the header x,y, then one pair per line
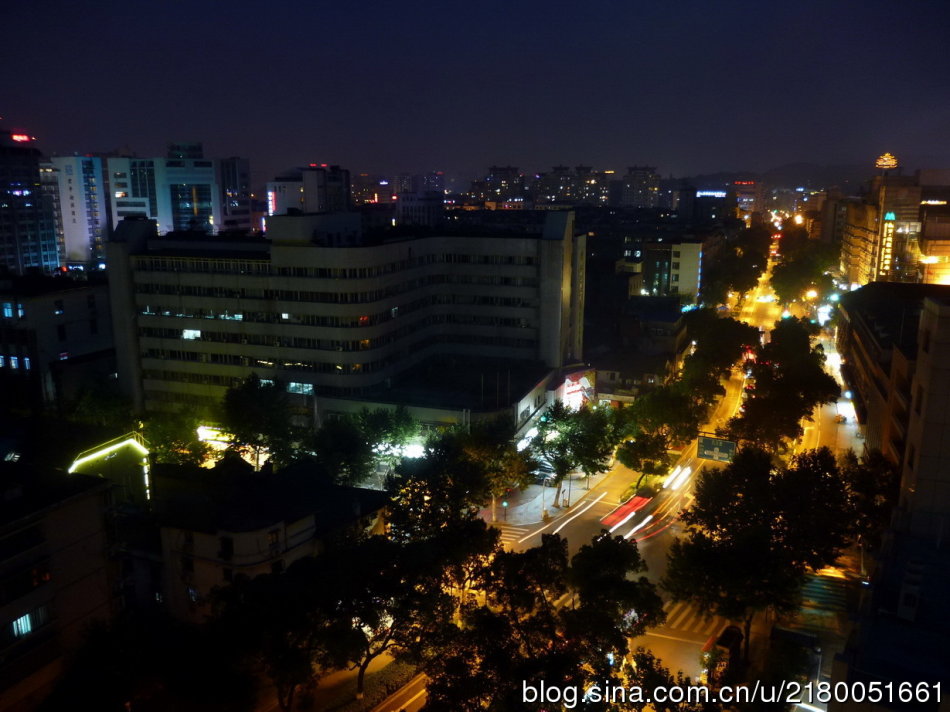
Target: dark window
x,y
227,575
187,565
227,548
93,326
61,332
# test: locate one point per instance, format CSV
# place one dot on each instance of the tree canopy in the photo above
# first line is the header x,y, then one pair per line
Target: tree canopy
x,y
753,531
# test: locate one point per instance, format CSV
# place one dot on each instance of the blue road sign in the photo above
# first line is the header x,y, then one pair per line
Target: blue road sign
x,y
716,449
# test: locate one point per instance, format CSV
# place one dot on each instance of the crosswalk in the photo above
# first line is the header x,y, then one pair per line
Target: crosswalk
x,y
684,618
511,533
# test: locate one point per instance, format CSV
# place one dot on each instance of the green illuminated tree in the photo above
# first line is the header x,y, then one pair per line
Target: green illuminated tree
x,y
258,416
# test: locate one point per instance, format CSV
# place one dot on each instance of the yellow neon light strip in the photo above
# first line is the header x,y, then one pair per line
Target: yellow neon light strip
x,y
105,451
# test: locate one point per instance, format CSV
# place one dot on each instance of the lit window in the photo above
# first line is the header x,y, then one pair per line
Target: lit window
x,y
22,626
302,388
14,362
8,310
267,382
191,334
26,363
19,310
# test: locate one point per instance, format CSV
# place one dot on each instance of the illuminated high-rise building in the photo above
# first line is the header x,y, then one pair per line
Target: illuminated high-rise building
x,y
27,213
82,203
178,193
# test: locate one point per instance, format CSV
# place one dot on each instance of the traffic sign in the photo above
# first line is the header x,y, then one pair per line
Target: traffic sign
x,y
716,449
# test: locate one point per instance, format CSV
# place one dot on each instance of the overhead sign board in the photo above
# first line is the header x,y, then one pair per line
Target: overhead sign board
x,y
716,449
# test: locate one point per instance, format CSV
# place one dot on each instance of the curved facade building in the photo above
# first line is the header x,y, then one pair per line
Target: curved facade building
x,y
332,314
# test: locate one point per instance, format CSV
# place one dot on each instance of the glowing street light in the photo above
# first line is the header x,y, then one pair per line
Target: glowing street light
x,y
811,294
799,219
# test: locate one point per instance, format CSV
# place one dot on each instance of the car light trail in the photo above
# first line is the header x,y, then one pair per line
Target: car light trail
x,y
671,477
579,513
638,527
683,477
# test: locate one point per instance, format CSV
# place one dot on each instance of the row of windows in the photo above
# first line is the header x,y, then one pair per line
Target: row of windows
x,y
231,359
338,321
492,280
263,267
314,366
300,342
15,362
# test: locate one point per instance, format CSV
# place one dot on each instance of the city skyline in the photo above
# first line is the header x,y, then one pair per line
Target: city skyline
x,y
412,88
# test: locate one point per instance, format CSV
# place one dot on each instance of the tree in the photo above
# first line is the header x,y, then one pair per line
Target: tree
x,y
257,415
646,454
555,442
521,634
648,673
173,438
594,439
388,431
272,620
431,493
754,529
385,597
341,446
488,443
790,381
668,414
873,485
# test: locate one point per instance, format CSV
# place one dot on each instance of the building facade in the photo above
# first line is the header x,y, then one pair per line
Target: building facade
x,y
56,577
82,203
641,187
28,236
178,193
331,314
53,331
314,189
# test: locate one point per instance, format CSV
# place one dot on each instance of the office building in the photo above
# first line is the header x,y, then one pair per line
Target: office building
x,y
641,187
314,189
335,314
55,576
237,211
897,234
28,237
422,209
82,205
179,193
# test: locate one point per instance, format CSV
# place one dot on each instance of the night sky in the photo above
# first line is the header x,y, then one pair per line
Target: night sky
x,y
689,86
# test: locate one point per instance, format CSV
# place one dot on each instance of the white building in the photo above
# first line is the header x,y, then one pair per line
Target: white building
x,y
178,193
82,204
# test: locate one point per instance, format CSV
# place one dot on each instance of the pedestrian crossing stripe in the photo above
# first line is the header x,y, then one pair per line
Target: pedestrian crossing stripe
x,y
683,617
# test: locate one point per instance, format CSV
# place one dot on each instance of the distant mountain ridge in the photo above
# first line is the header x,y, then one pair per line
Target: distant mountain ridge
x,y
793,175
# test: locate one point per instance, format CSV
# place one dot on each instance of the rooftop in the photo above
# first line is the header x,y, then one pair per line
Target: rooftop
x,y
891,311
235,500
26,491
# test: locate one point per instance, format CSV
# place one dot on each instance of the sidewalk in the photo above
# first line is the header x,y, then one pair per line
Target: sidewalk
x,y
526,507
